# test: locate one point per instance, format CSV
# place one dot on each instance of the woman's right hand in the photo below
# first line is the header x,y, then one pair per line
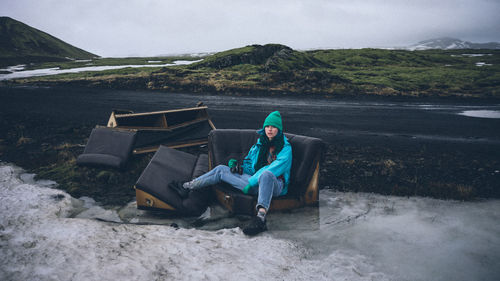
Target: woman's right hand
x,y
232,163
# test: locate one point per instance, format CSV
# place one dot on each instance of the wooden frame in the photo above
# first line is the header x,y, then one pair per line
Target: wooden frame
x,y
160,118
167,121
147,201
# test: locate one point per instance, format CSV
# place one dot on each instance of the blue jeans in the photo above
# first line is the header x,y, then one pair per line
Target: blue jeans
x,y
269,184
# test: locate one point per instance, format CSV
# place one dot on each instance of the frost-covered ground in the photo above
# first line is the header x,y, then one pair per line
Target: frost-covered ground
x,y
47,235
19,72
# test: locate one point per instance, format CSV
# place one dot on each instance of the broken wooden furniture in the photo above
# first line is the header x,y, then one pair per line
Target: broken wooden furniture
x,y
137,133
173,128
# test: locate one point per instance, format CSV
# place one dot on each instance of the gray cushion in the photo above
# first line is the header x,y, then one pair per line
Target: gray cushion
x,y
108,147
168,165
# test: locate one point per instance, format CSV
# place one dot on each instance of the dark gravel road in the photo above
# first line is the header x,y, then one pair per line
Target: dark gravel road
x,y
388,145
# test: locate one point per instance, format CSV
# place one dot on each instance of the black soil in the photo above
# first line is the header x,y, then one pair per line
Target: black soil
x,y
384,145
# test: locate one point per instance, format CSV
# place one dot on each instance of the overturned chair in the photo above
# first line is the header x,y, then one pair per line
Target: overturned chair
x,y
167,165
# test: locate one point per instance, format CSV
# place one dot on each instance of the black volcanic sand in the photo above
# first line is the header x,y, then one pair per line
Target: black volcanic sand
x,y
383,145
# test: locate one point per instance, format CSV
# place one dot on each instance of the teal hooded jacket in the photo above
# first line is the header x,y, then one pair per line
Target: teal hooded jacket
x,y
279,167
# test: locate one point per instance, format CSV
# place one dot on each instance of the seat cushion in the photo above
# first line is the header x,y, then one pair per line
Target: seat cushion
x,y
168,165
107,146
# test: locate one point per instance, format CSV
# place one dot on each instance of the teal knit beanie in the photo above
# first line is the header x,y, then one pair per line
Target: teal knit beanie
x,y
274,119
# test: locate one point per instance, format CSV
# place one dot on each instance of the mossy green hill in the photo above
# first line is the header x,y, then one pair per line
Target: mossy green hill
x,y
278,69
270,68
268,58
20,44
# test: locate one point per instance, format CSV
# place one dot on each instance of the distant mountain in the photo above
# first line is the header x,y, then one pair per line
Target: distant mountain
x,y
20,43
447,43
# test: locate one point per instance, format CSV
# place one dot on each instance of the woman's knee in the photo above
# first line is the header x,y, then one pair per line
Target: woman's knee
x,y
266,175
221,169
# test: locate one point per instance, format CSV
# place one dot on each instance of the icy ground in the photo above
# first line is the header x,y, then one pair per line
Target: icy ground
x,y
45,234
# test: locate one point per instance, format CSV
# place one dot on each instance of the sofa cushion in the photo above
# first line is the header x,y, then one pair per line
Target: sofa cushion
x,y
168,165
107,146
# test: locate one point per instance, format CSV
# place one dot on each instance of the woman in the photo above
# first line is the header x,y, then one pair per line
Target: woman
x,y
265,171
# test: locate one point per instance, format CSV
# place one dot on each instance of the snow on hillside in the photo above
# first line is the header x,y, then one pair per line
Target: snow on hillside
x,y
447,43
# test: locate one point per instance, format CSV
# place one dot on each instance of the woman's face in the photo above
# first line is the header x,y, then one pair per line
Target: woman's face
x,y
271,132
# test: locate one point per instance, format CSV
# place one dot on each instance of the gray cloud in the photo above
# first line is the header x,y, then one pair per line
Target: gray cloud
x,y
139,27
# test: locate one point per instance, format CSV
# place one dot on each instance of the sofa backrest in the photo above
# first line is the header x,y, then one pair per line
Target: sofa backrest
x,y
224,144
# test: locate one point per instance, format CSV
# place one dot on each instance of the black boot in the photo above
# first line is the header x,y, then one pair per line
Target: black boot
x,y
177,187
256,226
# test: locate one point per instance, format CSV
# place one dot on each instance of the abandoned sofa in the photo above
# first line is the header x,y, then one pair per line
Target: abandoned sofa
x,y
303,189
167,165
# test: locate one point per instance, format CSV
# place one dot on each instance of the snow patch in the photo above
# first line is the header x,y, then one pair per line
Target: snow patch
x,y
483,64
476,55
14,68
57,70
481,113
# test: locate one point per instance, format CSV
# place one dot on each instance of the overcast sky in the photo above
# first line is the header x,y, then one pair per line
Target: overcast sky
x,y
155,27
